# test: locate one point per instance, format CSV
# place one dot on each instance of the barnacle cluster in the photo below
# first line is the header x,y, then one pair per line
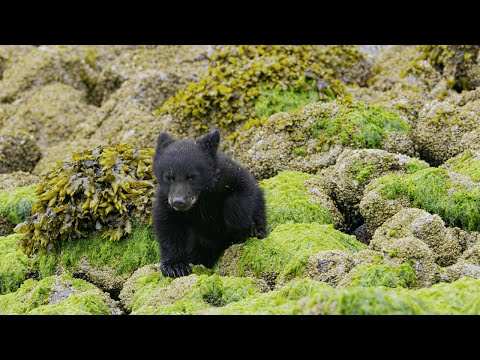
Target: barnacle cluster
x,y
99,189
238,75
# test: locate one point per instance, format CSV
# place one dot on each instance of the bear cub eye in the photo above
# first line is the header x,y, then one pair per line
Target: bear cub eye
x,y
169,177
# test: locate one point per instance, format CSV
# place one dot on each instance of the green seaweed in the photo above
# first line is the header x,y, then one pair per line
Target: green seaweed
x,y
359,126
124,256
287,201
15,204
14,264
383,275
467,163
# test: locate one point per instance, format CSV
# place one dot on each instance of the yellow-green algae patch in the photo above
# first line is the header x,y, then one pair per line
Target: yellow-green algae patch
x,y
285,252
454,197
14,264
287,200
15,204
391,276
58,295
97,189
155,294
306,296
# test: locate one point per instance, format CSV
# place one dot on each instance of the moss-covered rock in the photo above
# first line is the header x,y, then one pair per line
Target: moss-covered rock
x,y
15,266
285,252
58,295
18,152
330,266
346,180
148,292
52,114
461,269
107,264
412,250
292,196
466,163
306,296
313,137
238,75
452,196
100,189
402,275
426,227
440,128
15,204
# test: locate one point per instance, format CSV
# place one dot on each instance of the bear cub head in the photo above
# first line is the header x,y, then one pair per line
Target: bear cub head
x,y
185,168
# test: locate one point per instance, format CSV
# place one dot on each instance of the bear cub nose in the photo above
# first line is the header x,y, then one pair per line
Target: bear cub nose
x,y
178,203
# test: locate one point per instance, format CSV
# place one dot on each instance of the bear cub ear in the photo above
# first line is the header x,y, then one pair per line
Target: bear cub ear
x,y
210,142
163,141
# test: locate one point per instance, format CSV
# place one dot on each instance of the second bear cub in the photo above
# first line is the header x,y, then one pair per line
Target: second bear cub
x,y
204,202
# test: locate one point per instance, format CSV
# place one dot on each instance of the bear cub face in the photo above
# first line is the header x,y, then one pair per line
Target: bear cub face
x,y
184,168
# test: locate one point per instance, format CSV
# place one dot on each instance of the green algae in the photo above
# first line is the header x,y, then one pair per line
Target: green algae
x,y
53,295
272,101
14,264
306,296
402,275
123,257
155,294
285,252
437,191
467,163
287,200
15,204
362,126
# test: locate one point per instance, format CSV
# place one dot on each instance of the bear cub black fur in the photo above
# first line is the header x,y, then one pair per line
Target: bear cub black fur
x,y
204,202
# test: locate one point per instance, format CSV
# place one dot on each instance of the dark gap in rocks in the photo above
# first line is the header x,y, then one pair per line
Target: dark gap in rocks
x,y
114,293
458,87
211,300
361,234
101,92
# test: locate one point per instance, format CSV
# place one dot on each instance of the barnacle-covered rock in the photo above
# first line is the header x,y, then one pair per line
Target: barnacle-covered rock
x,y
346,180
466,163
100,189
10,54
452,196
18,152
314,136
284,254
52,114
292,196
155,294
58,295
238,75
426,227
440,128
16,179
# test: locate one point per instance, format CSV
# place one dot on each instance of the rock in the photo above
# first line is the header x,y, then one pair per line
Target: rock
x,y
465,163
459,270
452,196
413,250
53,113
472,255
58,295
426,227
307,296
346,180
313,137
150,293
10,54
18,152
440,128
285,252
330,266
292,196
16,179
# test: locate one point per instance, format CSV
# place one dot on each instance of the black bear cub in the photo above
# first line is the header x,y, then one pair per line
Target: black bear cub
x,y
204,202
